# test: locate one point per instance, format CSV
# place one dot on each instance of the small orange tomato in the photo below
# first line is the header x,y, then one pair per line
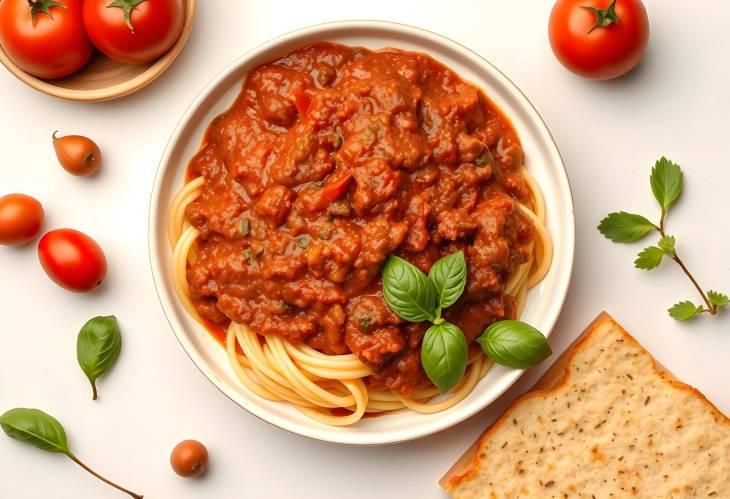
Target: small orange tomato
x,y
189,458
21,218
77,154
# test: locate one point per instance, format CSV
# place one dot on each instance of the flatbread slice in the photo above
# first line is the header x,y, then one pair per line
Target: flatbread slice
x,y
605,422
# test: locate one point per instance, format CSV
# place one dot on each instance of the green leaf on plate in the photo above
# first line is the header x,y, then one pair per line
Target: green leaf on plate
x,y
444,354
514,344
448,276
407,291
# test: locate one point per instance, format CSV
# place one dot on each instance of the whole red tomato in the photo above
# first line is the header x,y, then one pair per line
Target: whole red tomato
x,y
72,259
134,31
599,39
21,218
45,38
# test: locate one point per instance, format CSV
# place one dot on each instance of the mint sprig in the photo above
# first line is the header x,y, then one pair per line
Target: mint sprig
x,y
666,182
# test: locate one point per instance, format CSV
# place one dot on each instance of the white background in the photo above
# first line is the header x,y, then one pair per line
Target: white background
x,y
676,103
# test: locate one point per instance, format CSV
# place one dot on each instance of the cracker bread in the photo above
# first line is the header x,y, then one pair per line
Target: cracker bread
x,y
605,422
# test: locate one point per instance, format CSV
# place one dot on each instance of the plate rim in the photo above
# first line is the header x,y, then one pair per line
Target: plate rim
x,y
288,37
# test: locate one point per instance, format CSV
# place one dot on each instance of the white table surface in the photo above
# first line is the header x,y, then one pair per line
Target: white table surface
x,y
676,104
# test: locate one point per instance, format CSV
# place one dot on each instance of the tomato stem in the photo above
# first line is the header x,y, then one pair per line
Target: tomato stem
x,y
604,17
42,6
127,6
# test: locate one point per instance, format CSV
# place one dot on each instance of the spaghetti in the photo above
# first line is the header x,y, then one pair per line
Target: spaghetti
x,y
332,388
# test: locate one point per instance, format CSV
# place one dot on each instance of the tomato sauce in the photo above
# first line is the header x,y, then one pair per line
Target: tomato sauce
x,y
333,158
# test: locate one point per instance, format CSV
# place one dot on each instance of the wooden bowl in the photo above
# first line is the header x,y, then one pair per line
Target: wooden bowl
x,y
103,78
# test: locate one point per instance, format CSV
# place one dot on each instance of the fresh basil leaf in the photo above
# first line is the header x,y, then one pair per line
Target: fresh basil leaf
x,y
684,310
43,431
514,344
448,276
97,347
668,245
407,291
444,354
625,227
718,299
37,428
649,258
666,182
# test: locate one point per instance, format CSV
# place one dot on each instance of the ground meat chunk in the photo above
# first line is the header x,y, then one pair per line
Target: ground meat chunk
x,y
274,205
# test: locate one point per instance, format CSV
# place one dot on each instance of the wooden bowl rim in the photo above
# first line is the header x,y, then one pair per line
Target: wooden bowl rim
x,y
113,91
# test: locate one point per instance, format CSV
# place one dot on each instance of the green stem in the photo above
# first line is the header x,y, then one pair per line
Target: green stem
x,y
108,482
604,17
710,307
127,6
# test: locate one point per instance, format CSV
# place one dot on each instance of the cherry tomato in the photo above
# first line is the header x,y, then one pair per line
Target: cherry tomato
x,y
72,259
45,38
599,39
78,155
134,31
189,458
21,218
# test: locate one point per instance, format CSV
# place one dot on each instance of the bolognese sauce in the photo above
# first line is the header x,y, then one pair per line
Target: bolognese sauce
x,y
333,158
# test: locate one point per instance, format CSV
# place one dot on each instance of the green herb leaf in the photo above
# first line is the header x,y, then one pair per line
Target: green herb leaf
x,y
364,324
667,244
37,428
43,431
514,344
649,258
407,291
444,355
303,240
448,277
97,347
625,227
684,311
485,158
666,182
718,299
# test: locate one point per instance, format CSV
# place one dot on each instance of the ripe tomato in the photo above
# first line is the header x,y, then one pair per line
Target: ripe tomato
x,y
134,31
599,39
72,259
189,458
21,218
45,38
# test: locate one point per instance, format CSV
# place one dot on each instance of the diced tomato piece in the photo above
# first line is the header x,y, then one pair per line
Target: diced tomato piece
x,y
301,99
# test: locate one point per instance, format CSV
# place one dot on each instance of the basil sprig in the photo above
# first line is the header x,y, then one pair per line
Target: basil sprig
x,y
666,181
43,431
415,297
97,347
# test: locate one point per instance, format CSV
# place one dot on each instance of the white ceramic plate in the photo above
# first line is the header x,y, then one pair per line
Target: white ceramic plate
x,y
542,159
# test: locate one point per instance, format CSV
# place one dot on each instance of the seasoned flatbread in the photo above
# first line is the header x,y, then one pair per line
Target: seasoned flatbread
x,y
608,422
